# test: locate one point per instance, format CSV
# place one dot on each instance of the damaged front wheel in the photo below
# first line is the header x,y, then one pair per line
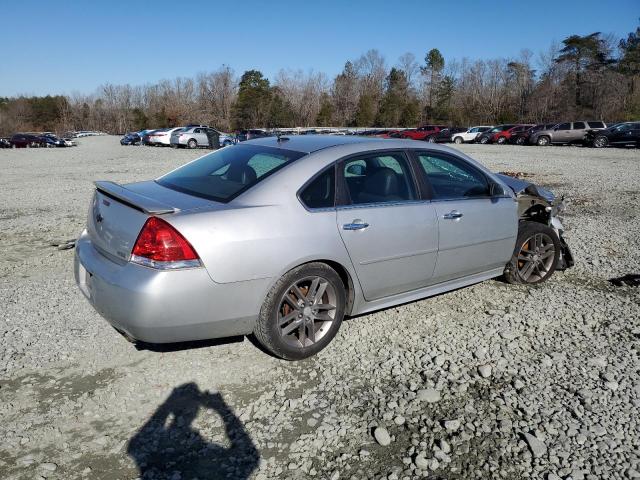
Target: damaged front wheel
x,y
536,254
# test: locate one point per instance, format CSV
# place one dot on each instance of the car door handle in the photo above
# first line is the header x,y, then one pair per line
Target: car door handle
x,y
452,215
355,225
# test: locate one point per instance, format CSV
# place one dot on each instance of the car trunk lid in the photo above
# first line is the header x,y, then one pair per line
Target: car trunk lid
x,y
118,213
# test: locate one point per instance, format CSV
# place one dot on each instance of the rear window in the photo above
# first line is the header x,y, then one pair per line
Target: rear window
x,y
226,173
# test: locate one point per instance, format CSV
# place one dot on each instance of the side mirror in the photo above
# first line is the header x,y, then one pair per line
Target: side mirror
x,y
496,190
356,170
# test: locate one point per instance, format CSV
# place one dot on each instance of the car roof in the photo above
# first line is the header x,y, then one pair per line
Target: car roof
x,y
314,143
308,143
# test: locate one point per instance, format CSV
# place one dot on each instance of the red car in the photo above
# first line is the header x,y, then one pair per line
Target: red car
x,y
423,132
502,133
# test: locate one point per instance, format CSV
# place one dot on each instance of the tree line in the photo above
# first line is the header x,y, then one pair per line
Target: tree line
x,y
593,76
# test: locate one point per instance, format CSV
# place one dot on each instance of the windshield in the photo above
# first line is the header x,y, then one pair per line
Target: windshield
x,y
226,173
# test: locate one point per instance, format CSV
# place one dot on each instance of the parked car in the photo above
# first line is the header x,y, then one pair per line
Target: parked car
x,y
470,134
131,138
502,133
565,133
522,138
5,143
25,140
208,250
162,137
446,135
421,133
149,137
621,134
194,137
51,141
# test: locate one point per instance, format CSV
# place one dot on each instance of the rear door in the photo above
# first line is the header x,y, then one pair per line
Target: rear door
x,y
390,233
578,129
477,231
562,133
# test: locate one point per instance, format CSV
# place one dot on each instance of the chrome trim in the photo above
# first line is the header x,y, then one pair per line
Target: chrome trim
x,y
454,215
157,265
382,204
355,225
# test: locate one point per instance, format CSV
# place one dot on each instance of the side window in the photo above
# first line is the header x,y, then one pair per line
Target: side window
x,y
379,179
320,192
564,126
453,178
579,126
596,124
473,130
197,130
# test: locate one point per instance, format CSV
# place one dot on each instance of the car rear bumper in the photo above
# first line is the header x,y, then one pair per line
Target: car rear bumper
x,y
165,306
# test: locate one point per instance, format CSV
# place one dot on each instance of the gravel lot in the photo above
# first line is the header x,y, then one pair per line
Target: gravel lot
x,y
491,381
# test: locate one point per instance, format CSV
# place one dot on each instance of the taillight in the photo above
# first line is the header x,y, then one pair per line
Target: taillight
x,y
159,245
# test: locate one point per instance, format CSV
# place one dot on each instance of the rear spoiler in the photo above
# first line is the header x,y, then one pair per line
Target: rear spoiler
x,y
133,199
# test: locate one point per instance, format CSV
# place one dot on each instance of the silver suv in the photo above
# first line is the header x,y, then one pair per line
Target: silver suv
x,y
194,137
568,132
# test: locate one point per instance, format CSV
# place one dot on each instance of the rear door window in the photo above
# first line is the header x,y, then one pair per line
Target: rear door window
x,y
379,179
226,173
564,126
579,126
320,193
596,124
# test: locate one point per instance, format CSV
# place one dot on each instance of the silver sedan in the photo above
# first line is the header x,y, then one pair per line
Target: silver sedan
x,y
283,237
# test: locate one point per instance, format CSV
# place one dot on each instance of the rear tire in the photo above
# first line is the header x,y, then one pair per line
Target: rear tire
x,y
192,143
501,141
520,141
484,140
290,325
535,256
431,139
458,140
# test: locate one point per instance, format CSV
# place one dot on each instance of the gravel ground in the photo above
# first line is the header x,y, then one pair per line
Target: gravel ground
x,y
491,381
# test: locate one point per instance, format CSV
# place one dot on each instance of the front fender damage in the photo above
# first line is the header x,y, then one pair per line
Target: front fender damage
x,y
536,204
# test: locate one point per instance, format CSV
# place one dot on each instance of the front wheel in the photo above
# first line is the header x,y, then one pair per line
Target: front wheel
x,y
520,141
543,141
501,140
458,140
600,142
192,143
302,312
431,139
535,256
484,140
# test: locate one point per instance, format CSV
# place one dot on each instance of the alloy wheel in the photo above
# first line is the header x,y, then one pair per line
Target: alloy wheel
x,y
306,311
600,142
535,257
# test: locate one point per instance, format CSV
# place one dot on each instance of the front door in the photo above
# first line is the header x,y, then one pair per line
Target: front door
x,y
477,231
390,234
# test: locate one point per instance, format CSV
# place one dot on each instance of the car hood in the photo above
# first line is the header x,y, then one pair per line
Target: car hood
x,y
520,186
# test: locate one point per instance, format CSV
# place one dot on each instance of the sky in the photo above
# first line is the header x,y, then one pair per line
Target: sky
x,y
63,47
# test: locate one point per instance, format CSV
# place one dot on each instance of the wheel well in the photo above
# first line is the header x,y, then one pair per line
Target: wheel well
x,y
536,213
346,281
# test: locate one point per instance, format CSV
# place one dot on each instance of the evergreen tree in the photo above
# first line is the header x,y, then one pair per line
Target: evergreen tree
x,y
325,114
254,101
366,111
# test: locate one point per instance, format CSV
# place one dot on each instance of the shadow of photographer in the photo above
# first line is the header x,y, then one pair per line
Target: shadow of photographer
x,y
167,443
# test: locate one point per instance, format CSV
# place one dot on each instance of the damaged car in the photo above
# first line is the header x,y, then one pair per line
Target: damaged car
x,y
282,237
